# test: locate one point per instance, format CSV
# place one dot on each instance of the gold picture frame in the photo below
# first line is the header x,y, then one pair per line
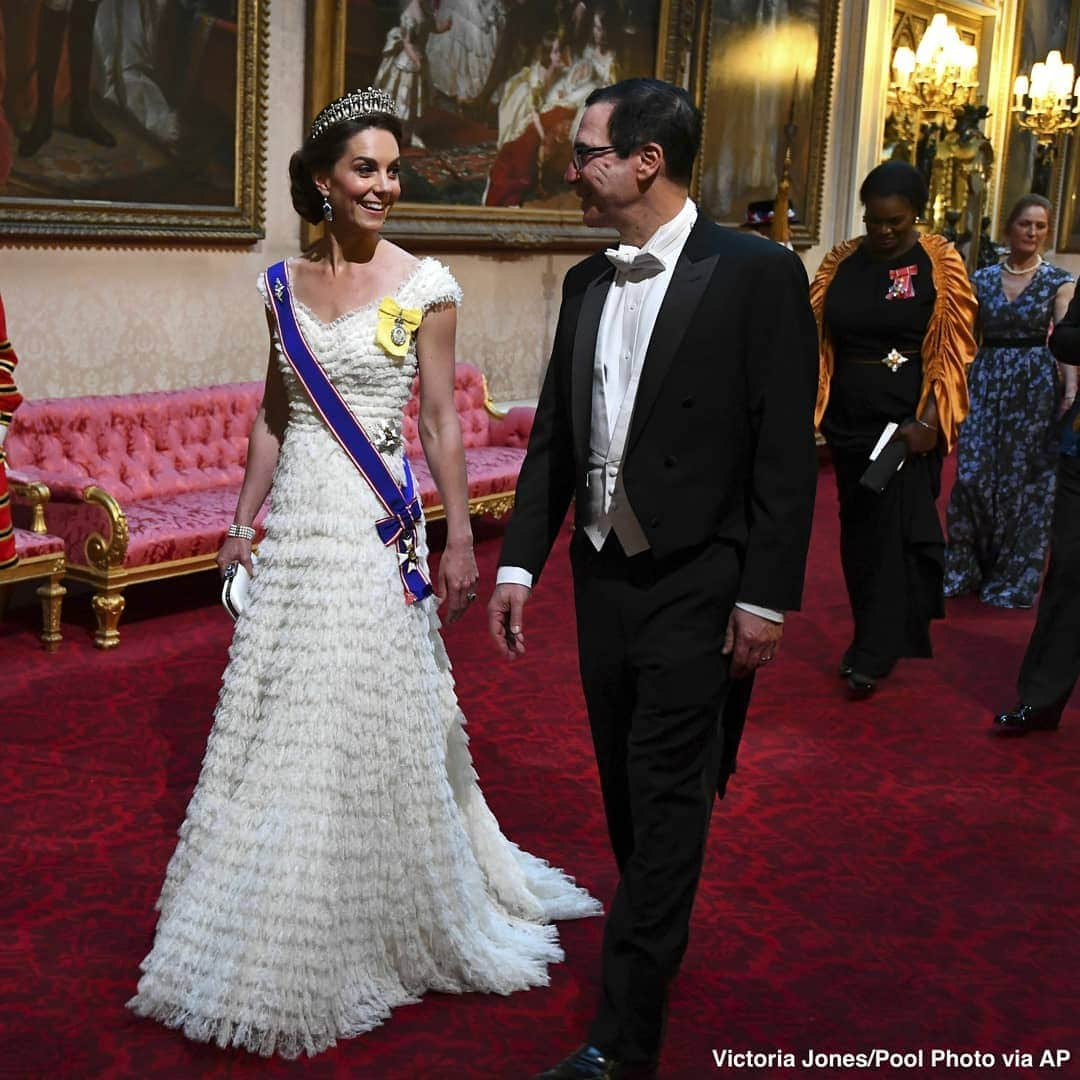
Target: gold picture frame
x,y
1039,29
445,225
756,85
189,172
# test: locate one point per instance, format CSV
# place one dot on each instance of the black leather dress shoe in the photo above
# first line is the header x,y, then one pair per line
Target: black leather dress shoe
x,y
1025,718
860,686
585,1063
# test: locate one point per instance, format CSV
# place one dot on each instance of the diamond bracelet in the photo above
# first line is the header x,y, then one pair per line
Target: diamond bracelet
x,y
244,532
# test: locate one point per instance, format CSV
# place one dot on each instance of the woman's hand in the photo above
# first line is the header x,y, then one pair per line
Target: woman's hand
x,y
920,438
235,549
458,578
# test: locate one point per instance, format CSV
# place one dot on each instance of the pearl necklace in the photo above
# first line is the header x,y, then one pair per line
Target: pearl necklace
x,y
1022,273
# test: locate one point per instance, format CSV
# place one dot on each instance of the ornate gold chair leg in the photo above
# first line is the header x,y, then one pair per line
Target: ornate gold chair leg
x,y
52,596
108,607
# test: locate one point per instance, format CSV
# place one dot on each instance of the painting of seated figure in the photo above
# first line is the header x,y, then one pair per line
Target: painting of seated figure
x,y
150,111
490,92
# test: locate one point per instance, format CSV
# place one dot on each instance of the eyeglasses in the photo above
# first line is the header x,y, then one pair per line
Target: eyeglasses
x,y
582,155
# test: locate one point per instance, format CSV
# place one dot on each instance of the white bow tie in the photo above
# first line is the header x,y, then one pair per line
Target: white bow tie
x,y
627,259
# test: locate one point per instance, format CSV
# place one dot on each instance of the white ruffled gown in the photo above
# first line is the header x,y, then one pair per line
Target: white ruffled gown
x,y
338,858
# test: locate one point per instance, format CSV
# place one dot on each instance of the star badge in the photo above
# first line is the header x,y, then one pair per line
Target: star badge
x,y
894,360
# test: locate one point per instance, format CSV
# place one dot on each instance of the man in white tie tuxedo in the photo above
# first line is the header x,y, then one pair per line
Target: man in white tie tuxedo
x,y
677,411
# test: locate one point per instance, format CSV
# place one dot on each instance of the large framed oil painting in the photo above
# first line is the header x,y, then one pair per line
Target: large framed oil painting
x,y
768,84
132,120
490,92
1069,231
1043,25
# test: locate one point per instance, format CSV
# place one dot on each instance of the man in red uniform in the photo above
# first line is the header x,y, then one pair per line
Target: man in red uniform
x,y
10,400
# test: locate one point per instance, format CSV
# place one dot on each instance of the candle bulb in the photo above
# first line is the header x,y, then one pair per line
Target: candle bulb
x,y
1020,89
903,65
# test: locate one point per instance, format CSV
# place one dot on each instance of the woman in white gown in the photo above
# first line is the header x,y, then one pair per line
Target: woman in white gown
x,y
337,858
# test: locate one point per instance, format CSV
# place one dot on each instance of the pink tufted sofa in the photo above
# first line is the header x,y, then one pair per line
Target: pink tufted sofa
x,y
143,486
494,446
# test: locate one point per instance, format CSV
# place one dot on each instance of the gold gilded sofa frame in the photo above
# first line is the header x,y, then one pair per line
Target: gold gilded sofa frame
x,y
104,567
52,566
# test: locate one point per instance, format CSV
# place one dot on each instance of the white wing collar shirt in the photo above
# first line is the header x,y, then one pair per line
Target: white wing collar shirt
x,y
642,277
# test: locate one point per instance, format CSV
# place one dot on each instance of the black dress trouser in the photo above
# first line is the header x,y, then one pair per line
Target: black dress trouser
x,y
650,638
1052,662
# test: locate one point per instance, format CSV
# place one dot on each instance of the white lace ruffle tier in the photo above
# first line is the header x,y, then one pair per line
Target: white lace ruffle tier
x,y
338,858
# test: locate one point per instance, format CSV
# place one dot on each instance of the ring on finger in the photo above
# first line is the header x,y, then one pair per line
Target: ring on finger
x,y
470,596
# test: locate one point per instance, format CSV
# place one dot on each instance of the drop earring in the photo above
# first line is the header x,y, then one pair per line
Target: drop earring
x,y
327,209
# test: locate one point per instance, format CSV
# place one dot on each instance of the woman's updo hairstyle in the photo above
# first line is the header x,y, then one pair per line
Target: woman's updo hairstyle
x,y
896,178
330,133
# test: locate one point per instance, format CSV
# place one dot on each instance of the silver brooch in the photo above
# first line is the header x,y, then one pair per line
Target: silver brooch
x,y
279,290
385,437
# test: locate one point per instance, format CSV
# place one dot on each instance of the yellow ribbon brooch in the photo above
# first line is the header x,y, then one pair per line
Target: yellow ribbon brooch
x,y
396,326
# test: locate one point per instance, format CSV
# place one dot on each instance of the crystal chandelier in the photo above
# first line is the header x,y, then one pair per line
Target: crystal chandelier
x,y
940,76
1049,92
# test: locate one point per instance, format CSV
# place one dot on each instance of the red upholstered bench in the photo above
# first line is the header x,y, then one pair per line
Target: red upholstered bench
x,y
143,486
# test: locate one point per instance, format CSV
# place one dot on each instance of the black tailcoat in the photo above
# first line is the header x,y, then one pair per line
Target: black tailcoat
x,y
719,467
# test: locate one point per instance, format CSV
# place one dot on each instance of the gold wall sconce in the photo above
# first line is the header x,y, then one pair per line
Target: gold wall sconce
x,y
1048,102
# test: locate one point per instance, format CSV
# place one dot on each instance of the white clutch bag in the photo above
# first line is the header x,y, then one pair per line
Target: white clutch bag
x,y
235,587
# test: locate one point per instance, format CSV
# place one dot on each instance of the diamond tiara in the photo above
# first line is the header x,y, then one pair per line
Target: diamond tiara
x,y
351,105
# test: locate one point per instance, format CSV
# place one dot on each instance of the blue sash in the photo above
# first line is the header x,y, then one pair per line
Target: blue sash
x,y
401,504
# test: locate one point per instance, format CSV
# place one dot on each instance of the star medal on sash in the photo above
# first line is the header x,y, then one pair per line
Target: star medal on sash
x,y
279,290
902,287
407,558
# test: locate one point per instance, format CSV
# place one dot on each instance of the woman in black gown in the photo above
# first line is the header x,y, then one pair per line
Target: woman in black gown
x,y
895,312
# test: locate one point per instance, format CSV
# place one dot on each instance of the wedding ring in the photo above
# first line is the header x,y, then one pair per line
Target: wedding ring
x,y
766,659
470,596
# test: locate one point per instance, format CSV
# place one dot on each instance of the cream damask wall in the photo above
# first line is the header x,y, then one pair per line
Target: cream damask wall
x,y
87,321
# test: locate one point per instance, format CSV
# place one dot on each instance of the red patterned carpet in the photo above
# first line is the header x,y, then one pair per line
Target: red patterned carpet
x,y
881,875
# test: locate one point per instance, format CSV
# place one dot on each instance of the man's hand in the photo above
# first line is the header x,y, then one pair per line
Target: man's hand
x,y
505,610
751,641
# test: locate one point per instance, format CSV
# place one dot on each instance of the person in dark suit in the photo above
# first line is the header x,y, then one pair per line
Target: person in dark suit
x,y
1052,662
677,413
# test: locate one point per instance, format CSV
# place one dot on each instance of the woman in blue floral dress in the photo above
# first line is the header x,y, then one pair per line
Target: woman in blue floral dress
x,y
1000,508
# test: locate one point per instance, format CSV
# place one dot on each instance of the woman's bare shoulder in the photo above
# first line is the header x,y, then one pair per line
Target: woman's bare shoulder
x,y
397,258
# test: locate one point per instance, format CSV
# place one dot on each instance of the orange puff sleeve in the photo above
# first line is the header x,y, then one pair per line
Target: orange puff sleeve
x,y
949,343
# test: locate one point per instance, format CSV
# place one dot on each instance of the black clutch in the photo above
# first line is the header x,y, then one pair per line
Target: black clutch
x,y
884,467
